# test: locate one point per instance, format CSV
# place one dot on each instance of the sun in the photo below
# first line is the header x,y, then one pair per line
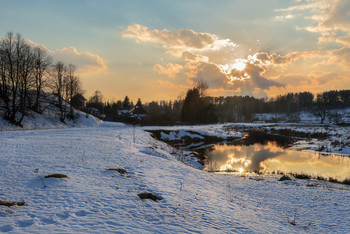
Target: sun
x,y
239,65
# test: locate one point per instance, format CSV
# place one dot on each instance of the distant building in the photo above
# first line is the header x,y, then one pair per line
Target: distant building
x,y
78,101
93,111
130,114
137,112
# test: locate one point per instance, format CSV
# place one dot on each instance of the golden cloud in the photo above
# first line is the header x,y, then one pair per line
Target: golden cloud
x,y
216,60
169,69
85,61
330,17
183,38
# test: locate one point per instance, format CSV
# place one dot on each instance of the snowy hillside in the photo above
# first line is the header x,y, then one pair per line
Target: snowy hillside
x,y
95,200
49,118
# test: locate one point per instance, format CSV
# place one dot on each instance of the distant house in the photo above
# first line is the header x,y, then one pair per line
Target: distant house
x,y
130,114
137,112
78,101
93,111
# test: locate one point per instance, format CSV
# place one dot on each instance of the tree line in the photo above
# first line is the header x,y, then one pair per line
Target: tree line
x,y
27,72
197,107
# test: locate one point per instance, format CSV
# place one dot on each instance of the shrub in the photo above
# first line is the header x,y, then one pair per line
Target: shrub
x,y
284,177
149,196
9,204
59,176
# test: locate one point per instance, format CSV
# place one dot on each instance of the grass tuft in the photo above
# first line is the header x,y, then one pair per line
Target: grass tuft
x,y
57,175
9,204
284,177
149,196
119,170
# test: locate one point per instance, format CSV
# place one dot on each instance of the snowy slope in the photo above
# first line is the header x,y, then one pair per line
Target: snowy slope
x,y
49,118
37,121
93,200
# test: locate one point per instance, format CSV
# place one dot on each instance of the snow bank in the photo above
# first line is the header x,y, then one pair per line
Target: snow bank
x,y
197,133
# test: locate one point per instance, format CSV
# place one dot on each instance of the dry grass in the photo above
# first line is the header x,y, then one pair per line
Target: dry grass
x,y
57,175
119,170
9,204
284,177
149,196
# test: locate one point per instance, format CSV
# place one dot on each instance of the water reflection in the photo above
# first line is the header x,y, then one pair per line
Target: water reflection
x,y
271,158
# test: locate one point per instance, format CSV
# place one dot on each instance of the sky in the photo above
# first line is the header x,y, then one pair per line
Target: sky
x,y
157,49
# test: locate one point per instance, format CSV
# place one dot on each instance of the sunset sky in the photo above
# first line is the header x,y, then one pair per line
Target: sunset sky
x,y
156,49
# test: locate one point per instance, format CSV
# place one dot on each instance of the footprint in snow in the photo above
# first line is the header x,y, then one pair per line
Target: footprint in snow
x,y
81,213
48,221
6,228
63,216
24,223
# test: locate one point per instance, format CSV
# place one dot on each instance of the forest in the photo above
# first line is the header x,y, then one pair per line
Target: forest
x,y
27,74
197,107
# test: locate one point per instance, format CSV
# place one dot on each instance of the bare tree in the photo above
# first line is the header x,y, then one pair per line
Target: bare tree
x,y
8,72
16,67
26,68
4,87
41,65
73,87
321,108
57,84
202,86
23,70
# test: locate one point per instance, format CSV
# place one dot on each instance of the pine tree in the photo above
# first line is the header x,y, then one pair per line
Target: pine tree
x,y
126,102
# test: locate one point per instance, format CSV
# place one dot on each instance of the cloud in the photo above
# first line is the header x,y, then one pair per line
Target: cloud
x,y
214,59
188,56
276,59
249,80
218,61
342,56
331,19
169,69
183,38
284,17
85,61
302,7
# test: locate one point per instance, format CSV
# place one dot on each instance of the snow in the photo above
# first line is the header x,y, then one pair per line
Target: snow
x,y
93,200
198,131
304,117
50,120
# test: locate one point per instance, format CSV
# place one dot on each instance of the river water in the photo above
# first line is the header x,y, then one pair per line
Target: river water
x,y
270,158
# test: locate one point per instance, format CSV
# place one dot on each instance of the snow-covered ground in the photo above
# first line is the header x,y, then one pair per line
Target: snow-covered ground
x,y
173,133
93,200
306,117
49,120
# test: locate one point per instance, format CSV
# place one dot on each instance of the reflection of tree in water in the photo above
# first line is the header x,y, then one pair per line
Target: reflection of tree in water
x,y
248,157
253,155
261,156
256,136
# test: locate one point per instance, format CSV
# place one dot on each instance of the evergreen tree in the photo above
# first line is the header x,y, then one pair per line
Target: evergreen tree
x,y
139,103
126,102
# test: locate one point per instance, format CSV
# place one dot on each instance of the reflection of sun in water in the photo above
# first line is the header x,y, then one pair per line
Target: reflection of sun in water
x,y
236,164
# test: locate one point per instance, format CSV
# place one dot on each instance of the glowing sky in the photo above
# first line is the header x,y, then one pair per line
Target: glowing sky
x,y
156,49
